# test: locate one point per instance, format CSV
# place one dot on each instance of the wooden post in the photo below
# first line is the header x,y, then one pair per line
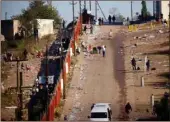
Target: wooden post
x,y
146,58
142,81
152,100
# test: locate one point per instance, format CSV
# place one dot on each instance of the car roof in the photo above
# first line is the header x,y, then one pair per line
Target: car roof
x,y
100,107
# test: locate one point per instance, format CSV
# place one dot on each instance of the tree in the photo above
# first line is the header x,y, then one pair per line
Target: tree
x,y
144,10
113,11
37,10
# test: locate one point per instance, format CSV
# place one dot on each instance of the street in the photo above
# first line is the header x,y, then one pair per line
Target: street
x,y
99,80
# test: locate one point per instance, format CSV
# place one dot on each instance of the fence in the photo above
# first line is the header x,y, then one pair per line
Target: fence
x,y
59,88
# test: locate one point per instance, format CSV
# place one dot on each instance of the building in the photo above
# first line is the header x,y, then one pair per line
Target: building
x,y
161,7
9,28
45,27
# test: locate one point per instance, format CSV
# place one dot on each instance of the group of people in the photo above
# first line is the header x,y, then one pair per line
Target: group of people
x,y
134,67
103,49
113,18
101,21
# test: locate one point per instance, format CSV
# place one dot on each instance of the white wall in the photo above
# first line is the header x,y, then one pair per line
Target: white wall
x,y
165,9
45,27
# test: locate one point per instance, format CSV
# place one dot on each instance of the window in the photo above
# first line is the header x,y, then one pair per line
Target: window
x,y
99,115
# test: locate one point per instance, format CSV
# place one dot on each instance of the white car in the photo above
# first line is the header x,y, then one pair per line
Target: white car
x,y
100,112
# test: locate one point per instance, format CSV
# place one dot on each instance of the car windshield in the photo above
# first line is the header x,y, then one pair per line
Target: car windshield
x,y
99,115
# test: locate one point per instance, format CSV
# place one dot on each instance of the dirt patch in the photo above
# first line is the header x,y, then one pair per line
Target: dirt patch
x,y
153,44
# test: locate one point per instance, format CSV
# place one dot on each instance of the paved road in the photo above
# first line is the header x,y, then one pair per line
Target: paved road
x,y
98,80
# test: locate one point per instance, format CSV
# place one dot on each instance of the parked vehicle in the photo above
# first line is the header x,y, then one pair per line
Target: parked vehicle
x,y
100,112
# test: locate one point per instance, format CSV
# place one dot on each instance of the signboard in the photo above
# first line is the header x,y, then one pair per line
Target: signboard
x,y
42,79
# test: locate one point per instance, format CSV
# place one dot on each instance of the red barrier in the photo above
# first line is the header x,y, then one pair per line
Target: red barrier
x,y
57,92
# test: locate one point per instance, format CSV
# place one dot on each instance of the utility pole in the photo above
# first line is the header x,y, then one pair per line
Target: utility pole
x,y
6,17
131,11
90,4
84,4
96,9
20,98
19,91
73,27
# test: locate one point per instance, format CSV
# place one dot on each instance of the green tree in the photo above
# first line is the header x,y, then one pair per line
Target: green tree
x,y
37,10
144,10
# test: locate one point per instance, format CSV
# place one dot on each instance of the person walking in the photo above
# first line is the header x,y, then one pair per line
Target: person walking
x,y
104,50
99,21
133,62
110,19
25,53
148,65
113,18
128,108
85,28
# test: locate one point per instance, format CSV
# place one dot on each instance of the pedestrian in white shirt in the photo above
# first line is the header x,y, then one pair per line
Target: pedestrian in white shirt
x,y
104,50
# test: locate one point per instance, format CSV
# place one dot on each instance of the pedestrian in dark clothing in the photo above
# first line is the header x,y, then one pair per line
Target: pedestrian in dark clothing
x,y
25,54
133,62
99,21
99,49
148,65
113,18
110,19
85,28
65,118
128,108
